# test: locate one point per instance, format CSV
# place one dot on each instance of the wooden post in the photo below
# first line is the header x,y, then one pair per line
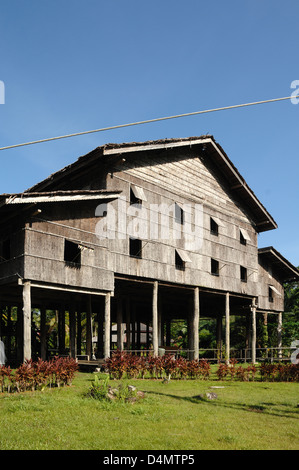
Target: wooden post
x,y
8,333
227,328
138,332
168,332
155,318
79,331
100,317
253,338
1,307
160,322
89,328
279,335
26,320
133,325
43,334
128,323
107,325
61,330
119,319
219,334
72,320
195,324
147,335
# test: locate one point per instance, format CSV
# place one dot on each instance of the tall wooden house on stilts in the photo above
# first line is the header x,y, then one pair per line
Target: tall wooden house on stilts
x,y
137,234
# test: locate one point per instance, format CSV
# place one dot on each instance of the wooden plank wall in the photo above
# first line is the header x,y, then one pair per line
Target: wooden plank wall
x,y
186,180
44,248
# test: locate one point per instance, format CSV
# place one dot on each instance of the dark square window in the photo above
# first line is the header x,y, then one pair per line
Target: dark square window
x,y
178,214
270,293
134,199
242,239
135,248
243,273
72,254
213,227
179,262
214,267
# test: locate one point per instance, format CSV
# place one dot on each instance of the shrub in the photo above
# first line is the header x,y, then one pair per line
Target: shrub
x,y
37,375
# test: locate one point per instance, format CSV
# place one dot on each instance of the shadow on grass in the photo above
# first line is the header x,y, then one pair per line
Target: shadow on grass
x,y
265,408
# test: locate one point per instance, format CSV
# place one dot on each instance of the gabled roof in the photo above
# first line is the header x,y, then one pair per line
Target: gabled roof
x,y
213,153
286,270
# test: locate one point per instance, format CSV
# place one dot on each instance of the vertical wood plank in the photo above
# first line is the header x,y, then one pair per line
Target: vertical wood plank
x,y
72,320
279,334
155,318
107,325
89,328
26,321
128,323
227,328
195,325
100,318
43,333
119,319
253,339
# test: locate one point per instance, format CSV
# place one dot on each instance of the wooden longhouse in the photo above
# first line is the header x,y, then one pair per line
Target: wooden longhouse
x,y
138,233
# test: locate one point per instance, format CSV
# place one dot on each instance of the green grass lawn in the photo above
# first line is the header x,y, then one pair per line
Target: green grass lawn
x,y
245,416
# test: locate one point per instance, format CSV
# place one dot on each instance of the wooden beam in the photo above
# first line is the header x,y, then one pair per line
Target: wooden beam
x,y
26,320
195,324
89,328
43,334
61,329
72,320
155,318
253,337
119,319
128,322
100,319
227,328
279,334
107,325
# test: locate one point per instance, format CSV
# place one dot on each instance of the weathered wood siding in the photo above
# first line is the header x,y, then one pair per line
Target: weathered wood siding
x,y
15,265
187,181
269,278
44,248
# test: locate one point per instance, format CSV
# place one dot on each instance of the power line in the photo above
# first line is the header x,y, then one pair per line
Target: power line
x,y
119,126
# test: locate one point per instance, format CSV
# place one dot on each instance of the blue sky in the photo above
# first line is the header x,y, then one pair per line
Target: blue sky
x,y
70,66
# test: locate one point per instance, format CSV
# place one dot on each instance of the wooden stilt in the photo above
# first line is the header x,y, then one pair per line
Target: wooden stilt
x,y
119,318
227,328
155,318
73,340
279,334
107,325
253,338
195,324
26,321
89,328
43,334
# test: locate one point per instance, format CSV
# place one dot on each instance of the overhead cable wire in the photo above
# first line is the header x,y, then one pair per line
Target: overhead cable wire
x,y
120,126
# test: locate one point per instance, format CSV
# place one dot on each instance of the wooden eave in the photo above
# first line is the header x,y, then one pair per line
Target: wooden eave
x,y
56,196
285,269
